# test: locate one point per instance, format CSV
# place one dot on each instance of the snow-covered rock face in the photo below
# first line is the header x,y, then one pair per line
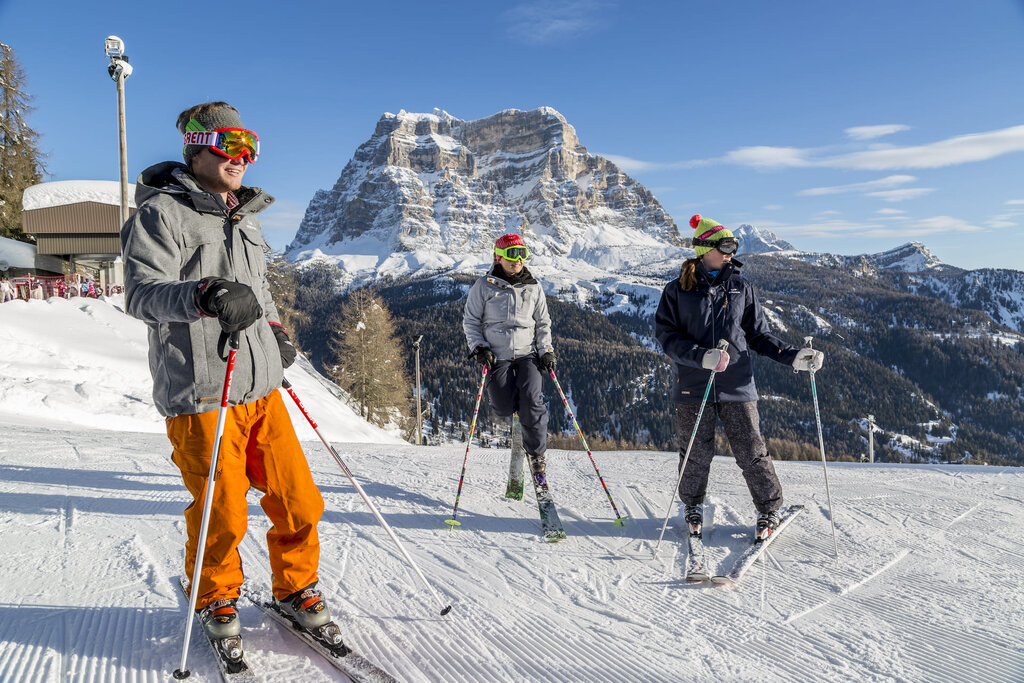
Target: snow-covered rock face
x,y
757,241
912,257
430,193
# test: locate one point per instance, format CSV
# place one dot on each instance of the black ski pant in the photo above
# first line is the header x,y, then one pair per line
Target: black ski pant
x,y
743,429
516,386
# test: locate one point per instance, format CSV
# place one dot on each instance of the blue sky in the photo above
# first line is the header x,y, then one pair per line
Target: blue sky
x,y
846,127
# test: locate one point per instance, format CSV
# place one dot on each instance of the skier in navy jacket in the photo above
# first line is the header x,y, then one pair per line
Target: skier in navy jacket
x,y
710,302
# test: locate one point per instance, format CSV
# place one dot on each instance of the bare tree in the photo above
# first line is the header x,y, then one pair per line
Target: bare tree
x,y
370,360
20,160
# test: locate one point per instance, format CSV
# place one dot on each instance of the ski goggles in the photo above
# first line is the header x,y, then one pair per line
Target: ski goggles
x,y
515,253
729,245
231,143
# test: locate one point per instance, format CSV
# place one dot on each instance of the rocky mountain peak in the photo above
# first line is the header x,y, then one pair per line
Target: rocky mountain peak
x,y
432,191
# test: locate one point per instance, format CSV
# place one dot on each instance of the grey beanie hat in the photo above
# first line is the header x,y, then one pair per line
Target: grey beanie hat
x,y
209,119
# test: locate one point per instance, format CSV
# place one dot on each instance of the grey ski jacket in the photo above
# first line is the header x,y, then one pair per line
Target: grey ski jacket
x,y
512,320
179,235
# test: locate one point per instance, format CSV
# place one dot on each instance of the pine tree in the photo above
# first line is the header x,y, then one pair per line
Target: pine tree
x,y
370,361
284,281
20,160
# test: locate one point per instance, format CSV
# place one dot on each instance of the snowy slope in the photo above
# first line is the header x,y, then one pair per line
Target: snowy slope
x,y
928,587
81,363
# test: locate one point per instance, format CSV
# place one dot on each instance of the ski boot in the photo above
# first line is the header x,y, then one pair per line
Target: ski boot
x,y
694,516
220,622
767,523
308,611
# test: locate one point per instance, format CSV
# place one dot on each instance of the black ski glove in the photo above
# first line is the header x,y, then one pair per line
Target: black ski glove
x,y
233,304
547,362
484,356
284,345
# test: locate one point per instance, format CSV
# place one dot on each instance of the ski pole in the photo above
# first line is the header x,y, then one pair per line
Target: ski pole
x,y
362,494
620,520
479,392
723,346
204,526
821,445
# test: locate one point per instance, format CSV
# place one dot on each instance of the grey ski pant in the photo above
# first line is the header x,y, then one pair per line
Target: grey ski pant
x,y
516,386
743,429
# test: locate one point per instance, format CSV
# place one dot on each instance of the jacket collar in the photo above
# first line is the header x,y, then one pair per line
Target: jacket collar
x,y
524,278
171,177
728,270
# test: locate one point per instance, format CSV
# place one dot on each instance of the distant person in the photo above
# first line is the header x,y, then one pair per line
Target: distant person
x,y
62,288
709,302
195,271
85,288
37,290
6,290
508,329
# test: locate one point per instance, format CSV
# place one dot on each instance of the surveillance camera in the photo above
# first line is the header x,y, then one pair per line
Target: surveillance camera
x,y
113,46
119,68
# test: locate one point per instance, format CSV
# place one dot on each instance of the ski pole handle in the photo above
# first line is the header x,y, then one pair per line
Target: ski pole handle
x,y
723,345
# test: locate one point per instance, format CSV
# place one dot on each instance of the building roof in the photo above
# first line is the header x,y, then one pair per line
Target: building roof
x,y
64,192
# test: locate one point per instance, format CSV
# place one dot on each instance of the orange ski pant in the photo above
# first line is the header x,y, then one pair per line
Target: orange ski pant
x,y
258,449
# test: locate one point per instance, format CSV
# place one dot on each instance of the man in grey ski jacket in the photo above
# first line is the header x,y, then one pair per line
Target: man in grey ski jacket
x,y
195,273
508,329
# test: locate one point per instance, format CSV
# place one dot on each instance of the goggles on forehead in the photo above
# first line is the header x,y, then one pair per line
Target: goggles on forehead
x,y
232,143
515,253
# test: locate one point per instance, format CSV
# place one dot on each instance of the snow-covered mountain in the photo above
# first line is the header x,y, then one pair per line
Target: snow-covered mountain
x,y
758,241
912,257
430,193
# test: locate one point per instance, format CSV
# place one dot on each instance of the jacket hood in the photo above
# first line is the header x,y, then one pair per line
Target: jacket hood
x,y
174,178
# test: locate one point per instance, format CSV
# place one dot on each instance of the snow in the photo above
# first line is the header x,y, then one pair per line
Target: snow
x,y
82,364
929,585
62,192
16,254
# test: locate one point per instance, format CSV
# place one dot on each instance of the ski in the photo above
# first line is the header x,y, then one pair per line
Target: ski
x,y
551,525
356,667
697,570
746,560
232,670
514,489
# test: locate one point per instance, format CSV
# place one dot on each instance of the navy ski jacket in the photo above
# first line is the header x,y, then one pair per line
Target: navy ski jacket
x,y
688,323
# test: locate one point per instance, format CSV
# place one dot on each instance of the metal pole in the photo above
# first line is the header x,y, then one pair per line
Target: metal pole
x,y
620,520
362,494
123,140
871,438
821,444
204,526
472,428
723,345
419,413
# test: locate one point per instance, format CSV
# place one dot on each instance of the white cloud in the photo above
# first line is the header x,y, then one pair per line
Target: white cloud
x,y
1015,202
888,181
772,207
843,229
900,195
872,132
890,212
541,22
769,157
950,152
